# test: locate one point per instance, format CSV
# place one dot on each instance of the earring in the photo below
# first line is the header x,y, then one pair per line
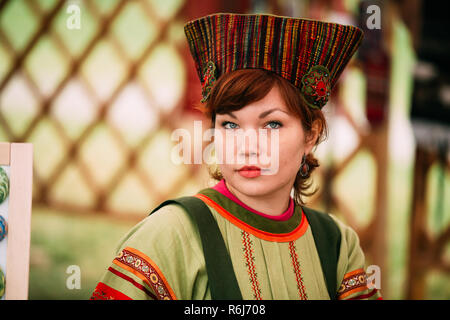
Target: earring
x,y
304,168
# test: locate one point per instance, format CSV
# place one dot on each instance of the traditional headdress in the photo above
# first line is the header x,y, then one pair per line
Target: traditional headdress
x,y
310,54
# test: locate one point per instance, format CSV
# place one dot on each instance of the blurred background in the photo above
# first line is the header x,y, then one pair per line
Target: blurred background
x,y
100,96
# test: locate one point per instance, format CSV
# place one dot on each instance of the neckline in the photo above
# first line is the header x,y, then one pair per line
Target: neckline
x,y
261,227
221,187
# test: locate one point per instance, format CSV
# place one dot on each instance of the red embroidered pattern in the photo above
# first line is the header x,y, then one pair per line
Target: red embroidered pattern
x,y
316,86
297,271
353,282
145,269
104,292
250,259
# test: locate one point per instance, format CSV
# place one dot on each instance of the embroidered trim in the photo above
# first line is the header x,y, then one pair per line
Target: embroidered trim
x,y
282,237
353,282
250,264
105,292
134,283
142,266
209,77
297,271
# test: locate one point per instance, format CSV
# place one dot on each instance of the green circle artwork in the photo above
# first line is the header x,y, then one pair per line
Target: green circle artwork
x,y
4,185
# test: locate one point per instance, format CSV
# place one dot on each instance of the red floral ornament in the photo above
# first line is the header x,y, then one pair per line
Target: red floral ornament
x,y
316,86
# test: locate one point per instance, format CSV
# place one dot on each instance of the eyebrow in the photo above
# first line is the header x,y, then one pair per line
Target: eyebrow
x,y
262,115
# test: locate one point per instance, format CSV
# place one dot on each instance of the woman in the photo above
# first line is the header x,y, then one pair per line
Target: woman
x,y
257,72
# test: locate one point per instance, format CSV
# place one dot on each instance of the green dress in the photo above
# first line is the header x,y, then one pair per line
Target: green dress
x,y
162,258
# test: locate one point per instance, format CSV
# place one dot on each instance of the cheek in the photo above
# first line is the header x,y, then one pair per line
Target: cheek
x,y
291,145
290,155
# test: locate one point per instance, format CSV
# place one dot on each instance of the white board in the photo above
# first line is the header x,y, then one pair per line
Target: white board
x,y
17,160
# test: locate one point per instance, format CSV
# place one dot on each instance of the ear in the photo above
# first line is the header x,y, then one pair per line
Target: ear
x,y
312,136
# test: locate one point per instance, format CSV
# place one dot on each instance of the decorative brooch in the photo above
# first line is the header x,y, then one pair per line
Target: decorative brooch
x,y
316,86
209,77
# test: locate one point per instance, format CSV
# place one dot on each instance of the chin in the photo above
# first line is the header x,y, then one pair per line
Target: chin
x,y
257,186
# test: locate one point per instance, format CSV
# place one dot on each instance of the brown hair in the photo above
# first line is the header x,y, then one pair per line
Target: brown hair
x,y
234,90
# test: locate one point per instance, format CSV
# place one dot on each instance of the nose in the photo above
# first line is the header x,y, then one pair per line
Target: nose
x,y
248,145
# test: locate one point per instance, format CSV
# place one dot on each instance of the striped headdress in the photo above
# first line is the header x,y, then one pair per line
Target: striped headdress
x,y
310,54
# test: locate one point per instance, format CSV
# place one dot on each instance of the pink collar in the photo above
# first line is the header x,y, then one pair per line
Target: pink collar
x,y
222,188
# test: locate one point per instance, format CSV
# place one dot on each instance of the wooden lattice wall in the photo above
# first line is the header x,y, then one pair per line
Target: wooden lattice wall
x,y
107,26
43,25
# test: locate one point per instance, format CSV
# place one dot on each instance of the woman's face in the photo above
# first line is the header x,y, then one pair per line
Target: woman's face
x,y
283,148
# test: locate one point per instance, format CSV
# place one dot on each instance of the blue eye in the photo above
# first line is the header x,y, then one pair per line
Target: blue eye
x,y
276,123
233,125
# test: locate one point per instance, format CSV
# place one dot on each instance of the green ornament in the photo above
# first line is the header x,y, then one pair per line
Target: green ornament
x,y
316,87
2,283
4,185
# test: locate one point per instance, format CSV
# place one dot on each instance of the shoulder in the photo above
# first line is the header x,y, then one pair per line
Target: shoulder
x,y
159,258
329,223
324,218
352,278
169,226
163,248
351,257
349,237
324,224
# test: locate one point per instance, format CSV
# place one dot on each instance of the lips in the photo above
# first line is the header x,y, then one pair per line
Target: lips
x,y
250,171
248,168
